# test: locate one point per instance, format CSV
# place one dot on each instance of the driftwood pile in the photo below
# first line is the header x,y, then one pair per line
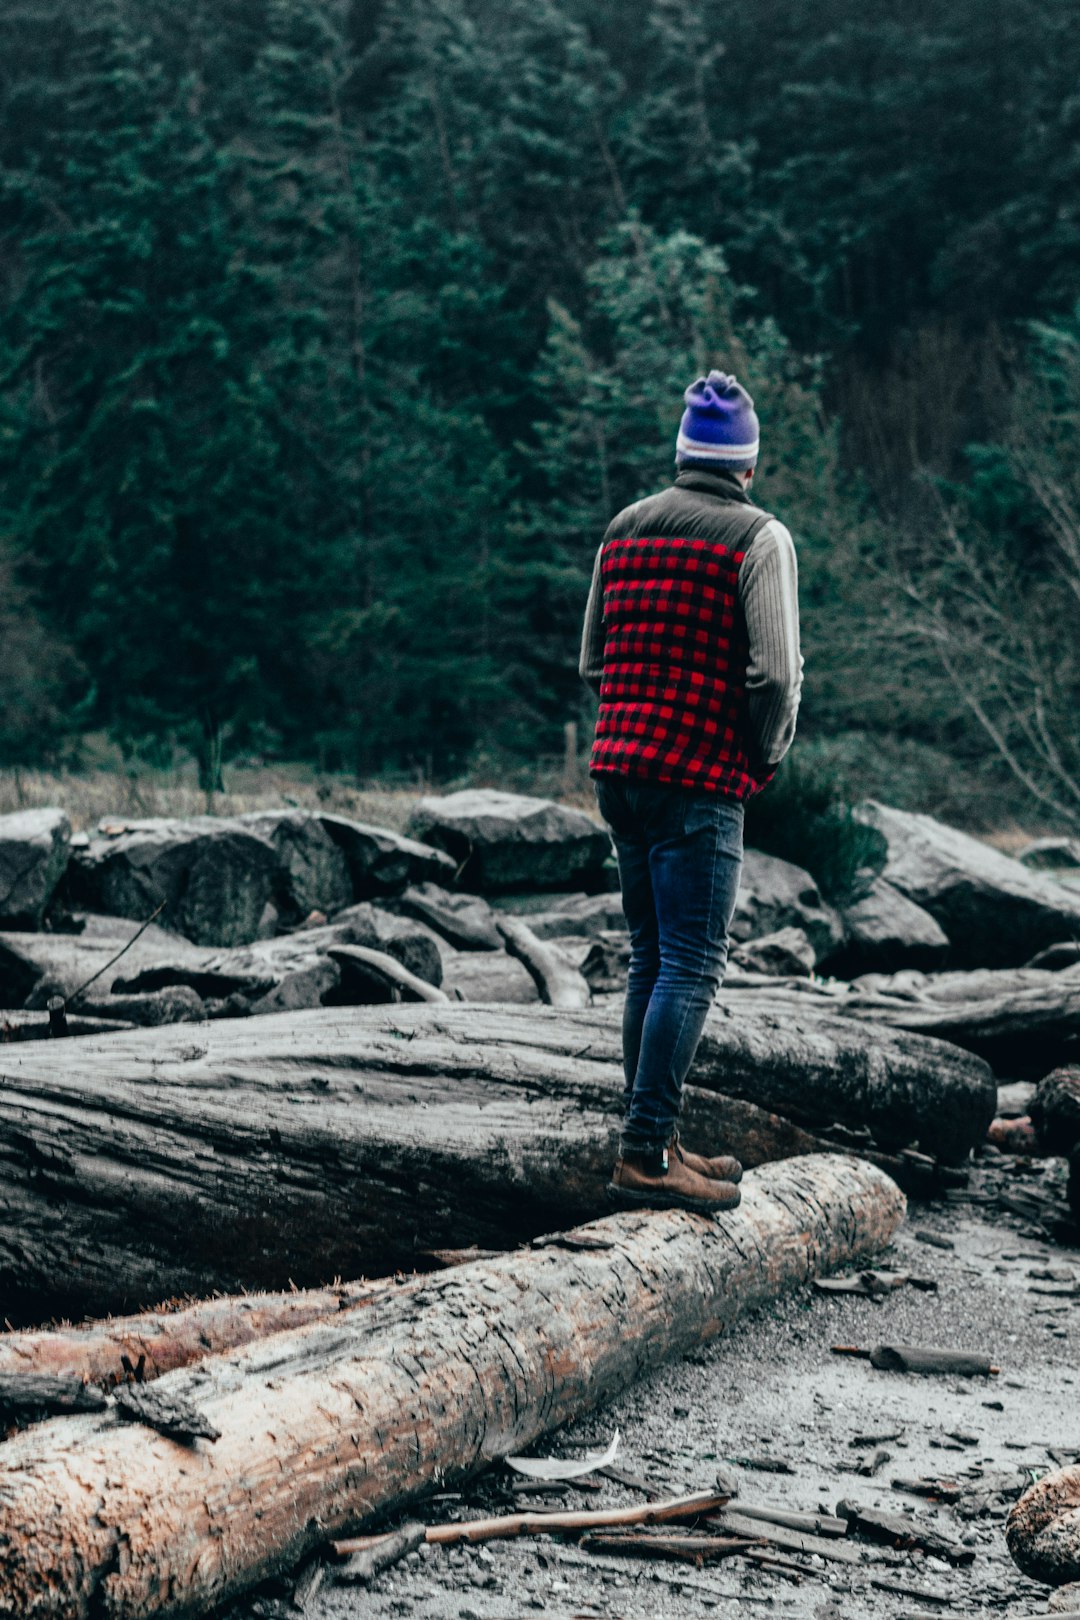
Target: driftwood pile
x,y
321,1426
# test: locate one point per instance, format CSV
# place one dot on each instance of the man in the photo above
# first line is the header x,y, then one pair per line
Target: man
x,y
691,641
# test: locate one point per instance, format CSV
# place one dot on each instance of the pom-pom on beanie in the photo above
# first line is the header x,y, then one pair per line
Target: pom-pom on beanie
x,y
719,427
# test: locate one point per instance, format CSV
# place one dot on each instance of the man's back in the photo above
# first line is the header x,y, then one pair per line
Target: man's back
x,y
691,639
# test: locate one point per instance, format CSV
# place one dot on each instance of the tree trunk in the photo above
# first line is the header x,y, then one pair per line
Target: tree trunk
x,y
1043,1528
255,1153
322,1428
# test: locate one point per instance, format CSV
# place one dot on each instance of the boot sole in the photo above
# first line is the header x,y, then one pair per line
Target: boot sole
x,y
627,1198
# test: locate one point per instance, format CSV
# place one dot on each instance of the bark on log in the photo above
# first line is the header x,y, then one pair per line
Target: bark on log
x,y
1043,1528
252,1154
324,1427
158,1342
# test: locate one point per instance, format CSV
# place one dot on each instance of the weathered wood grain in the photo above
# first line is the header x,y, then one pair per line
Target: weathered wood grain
x,y
322,1427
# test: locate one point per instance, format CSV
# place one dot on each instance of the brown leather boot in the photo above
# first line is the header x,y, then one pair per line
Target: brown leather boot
x,y
721,1168
665,1182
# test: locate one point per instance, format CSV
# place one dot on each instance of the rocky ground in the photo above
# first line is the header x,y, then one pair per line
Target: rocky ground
x,y
774,1391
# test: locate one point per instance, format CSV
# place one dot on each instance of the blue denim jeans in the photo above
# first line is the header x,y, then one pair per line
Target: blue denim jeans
x,y
680,858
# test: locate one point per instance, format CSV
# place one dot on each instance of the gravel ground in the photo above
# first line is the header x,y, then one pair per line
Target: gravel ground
x,y
773,1389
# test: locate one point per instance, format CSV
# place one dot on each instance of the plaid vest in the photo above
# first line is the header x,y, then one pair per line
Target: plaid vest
x,y
673,694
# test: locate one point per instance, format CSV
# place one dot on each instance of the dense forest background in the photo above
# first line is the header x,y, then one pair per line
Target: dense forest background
x,y
332,333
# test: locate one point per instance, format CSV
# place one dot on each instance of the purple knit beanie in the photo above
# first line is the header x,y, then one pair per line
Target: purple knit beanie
x,y
719,427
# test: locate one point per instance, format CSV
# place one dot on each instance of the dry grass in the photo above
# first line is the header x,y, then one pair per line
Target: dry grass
x,y
107,787
106,792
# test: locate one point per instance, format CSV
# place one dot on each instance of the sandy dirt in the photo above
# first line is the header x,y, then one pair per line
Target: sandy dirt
x,y
773,1389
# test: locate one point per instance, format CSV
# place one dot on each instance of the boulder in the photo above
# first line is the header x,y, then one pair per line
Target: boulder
x,y
603,961
34,847
34,967
294,970
215,875
786,954
505,841
406,939
382,862
464,920
1055,1111
316,985
884,932
177,1004
774,894
587,915
313,874
995,911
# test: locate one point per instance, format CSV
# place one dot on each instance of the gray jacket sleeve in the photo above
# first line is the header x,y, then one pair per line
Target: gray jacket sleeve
x,y
769,591
591,662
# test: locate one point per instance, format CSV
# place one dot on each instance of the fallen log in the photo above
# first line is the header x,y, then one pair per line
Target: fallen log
x,y
323,1144
1043,1528
341,1142
324,1427
1018,1030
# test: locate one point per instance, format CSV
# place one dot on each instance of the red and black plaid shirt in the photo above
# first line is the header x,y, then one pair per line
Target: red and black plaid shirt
x,y
673,696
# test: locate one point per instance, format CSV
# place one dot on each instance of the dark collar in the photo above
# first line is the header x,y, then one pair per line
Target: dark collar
x,y
722,483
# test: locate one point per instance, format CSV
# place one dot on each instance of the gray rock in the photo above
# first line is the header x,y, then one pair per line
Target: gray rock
x,y
177,1004
382,862
505,841
465,920
34,847
34,967
312,986
786,954
995,911
885,931
216,875
603,960
407,940
587,915
774,894
313,874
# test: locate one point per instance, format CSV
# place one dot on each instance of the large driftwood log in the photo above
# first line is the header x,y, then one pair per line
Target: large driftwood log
x,y
323,1427
1031,1021
255,1153
1043,1528
258,1153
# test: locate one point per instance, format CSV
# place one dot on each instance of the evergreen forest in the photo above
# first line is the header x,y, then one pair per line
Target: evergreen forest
x,y
332,332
